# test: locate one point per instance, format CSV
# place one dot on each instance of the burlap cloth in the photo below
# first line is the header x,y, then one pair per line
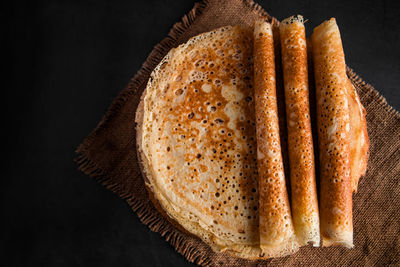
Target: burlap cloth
x,y
108,154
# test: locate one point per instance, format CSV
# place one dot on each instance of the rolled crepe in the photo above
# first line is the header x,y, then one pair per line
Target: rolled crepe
x,y
300,142
277,237
333,119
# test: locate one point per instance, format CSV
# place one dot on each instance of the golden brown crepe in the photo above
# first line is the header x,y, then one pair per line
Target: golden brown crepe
x,y
301,151
277,237
197,140
333,118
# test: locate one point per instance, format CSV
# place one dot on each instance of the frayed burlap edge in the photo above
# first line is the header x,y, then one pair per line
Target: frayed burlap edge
x,y
143,210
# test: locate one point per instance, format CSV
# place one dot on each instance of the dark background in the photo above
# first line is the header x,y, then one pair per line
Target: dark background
x,y
69,60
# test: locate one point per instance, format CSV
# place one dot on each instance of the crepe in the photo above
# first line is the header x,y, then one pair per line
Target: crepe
x,y
301,151
197,140
277,237
334,136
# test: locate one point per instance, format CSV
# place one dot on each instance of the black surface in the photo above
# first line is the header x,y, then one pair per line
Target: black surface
x,y
69,60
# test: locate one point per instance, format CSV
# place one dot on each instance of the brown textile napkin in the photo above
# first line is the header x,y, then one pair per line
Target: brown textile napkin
x,y
108,154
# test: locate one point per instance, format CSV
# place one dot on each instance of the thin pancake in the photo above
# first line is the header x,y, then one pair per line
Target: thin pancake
x,y
196,139
277,237
301,150
333,118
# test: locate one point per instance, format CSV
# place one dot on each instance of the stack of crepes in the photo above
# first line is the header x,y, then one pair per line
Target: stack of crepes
x,y
212,128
